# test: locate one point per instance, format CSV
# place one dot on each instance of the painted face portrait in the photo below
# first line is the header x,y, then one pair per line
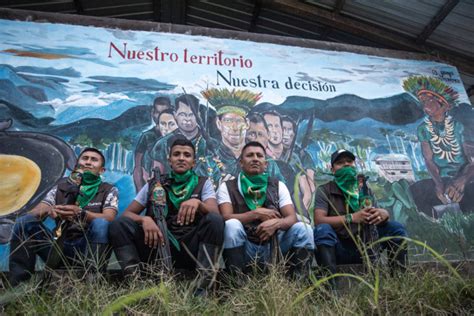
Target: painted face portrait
x,y
232,127
257,132
274,128
185,118
288,134
157,109
433,106
167,123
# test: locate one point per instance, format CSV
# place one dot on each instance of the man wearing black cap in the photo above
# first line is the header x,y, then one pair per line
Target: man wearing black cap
x,y
82,205
343,214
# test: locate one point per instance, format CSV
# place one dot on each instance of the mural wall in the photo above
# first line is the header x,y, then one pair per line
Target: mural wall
x,y
130,93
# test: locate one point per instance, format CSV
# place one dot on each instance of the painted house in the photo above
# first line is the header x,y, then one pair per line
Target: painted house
x,y
394,167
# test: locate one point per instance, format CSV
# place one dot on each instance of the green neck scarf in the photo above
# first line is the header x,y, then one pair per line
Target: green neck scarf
x,y
182,186
254,189
346,180
89,187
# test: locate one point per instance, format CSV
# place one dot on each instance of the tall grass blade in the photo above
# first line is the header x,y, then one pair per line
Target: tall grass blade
x,y
433,252
310,289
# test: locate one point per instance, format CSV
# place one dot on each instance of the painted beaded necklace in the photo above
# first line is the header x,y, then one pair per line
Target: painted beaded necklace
x,y
446,139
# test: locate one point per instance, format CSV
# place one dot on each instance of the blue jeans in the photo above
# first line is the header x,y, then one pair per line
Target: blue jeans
x,y
299,235
346,250
35,238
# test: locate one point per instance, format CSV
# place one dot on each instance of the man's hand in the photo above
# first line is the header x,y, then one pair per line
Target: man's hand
x,y
455,189
377,216
52,213
266,229
187,211
67,212
153,234
265,214
360,217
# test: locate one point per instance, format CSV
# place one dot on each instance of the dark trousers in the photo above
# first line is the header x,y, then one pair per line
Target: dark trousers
x,y
209,230
346,250
30,238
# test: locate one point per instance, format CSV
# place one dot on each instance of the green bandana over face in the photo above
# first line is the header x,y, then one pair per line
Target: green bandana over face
x,y
254,189
182,186
346,180
89,186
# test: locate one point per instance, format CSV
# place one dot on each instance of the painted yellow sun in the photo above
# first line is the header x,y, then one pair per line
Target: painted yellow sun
x,y
19,179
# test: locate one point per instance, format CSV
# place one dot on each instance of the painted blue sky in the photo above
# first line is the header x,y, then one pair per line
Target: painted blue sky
x,y
85,51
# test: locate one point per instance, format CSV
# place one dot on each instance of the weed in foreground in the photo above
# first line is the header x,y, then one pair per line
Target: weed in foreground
x,y
268,294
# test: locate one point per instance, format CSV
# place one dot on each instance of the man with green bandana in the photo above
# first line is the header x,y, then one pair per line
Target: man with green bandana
x,y
195,227
84,203
257,207
340,219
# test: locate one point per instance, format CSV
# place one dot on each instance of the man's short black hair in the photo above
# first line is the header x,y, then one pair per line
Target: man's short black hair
x,y
183,141
93,150
167,111
188,99
252,144
257,118
162,100
286,118
274,113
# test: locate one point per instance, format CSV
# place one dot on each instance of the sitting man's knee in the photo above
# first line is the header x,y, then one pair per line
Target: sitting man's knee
x,y
393,228
99,229
304,235
215,220
324,234
24,224
118,225
233,225
234,233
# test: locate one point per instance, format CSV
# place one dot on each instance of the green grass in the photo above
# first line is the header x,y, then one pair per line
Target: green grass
x,y
415,292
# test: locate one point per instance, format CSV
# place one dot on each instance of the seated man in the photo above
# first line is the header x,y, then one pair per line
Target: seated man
x,y
192,220
340,218
82,205
256,207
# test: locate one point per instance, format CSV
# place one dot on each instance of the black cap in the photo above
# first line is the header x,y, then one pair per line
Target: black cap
x,y
339,154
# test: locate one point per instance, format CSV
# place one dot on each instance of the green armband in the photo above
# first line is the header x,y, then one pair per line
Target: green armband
x,y
348,218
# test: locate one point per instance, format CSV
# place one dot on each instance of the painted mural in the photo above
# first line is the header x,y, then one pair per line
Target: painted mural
x,y
131,93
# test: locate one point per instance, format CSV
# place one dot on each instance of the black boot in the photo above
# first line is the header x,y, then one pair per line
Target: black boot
x,y
326,259
397,259
300,263
128,258
22,262
98,259
207,268
234,259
